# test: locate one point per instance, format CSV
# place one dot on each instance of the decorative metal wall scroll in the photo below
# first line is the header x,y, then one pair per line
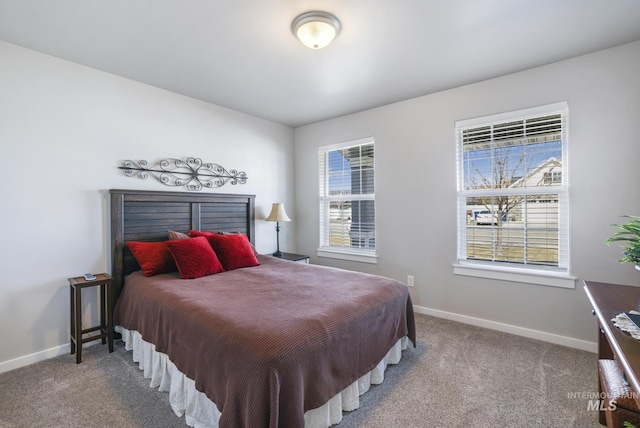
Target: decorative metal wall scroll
x,y
193,174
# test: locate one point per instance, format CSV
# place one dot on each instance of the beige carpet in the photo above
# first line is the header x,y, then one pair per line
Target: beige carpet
x,y
458,376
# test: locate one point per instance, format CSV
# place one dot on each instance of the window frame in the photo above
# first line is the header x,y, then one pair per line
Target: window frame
x,y
342,253
517,272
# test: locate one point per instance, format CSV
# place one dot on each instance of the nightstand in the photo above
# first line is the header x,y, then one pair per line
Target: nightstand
x,y
106,313
293,257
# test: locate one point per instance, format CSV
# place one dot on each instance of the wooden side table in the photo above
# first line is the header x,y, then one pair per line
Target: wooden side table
x,y
106,313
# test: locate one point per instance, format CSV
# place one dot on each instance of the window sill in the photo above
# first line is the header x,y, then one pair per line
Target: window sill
x,y
551,279
346,255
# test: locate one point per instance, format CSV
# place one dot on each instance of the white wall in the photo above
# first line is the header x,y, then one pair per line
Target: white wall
x,y
64,130
416,189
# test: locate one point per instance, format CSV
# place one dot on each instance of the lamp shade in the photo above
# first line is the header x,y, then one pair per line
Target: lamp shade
x,y
278,213
316,29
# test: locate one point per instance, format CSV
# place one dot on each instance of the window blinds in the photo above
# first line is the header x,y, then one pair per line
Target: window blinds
x,y
513,189
347,196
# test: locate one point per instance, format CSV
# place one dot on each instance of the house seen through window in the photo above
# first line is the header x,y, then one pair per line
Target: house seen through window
x,y
512,190
347,199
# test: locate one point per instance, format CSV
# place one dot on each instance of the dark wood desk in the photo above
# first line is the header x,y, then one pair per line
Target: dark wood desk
x,y
608,300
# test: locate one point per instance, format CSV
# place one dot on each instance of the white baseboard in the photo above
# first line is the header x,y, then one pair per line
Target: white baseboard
x,y
507,328
26,360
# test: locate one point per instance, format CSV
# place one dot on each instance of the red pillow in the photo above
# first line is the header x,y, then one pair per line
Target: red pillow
x,y
207,234
154,258
201,233
250,243
194,257
234,251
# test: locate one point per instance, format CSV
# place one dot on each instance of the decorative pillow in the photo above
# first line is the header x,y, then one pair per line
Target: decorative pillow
x,y
194,257
207,234
173,235
255,252
201,233
234,250
154,258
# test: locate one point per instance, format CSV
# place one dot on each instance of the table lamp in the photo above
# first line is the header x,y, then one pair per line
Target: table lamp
x,y
278,214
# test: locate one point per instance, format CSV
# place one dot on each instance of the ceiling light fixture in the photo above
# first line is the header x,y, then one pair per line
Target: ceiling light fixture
x,y
316,29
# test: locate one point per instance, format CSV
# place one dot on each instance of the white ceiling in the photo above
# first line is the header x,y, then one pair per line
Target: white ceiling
x,y
241,54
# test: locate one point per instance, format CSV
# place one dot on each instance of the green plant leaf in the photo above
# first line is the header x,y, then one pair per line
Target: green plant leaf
x,y
628,232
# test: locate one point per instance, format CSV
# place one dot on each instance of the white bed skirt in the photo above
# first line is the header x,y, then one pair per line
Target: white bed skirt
x,y
199,411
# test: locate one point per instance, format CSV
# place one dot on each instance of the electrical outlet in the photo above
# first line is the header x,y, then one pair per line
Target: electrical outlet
x,y
409,280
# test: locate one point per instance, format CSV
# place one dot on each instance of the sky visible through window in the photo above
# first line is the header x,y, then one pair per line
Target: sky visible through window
x,y
520,160
339,173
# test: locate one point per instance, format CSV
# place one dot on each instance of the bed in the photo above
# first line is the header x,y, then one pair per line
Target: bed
x,y
272,344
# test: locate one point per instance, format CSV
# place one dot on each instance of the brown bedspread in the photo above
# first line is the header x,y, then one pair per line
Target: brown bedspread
x,y
269,342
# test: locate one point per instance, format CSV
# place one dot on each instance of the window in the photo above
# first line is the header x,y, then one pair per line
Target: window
x,y
552,177
512,196
347,201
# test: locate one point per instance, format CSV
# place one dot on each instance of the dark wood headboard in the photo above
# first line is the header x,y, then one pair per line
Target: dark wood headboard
x,y
138,215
